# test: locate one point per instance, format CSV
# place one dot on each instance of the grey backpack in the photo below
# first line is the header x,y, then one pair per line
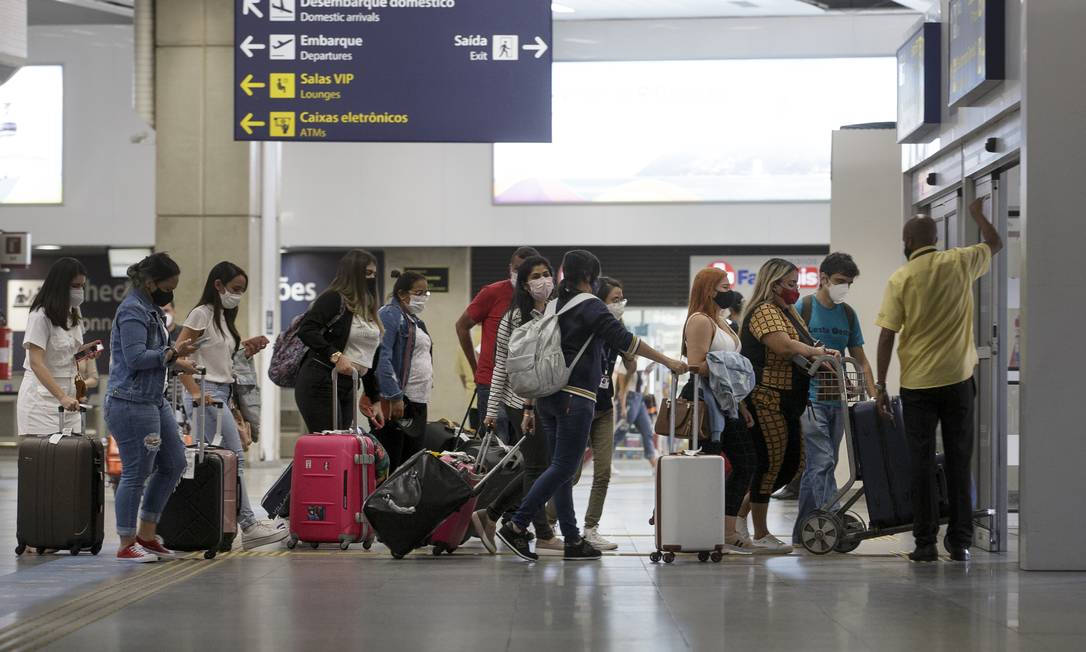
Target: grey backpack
x,y
536,366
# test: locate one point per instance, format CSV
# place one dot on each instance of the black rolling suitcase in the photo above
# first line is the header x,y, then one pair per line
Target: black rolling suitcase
x,y
202,513
417,498
61,492
885,465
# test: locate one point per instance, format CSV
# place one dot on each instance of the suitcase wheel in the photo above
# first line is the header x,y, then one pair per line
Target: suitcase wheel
x,y
438,549
74,550
367,544
397,555
703,557
41,551
669,557
655,557
344,545
210,554
850,541
716,556
821,532
292,542
96,549
20,549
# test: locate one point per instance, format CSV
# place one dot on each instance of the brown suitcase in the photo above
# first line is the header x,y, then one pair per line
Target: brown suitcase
x,y
61,500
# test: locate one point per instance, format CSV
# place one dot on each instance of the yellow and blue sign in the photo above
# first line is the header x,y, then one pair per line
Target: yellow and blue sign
x,y
393,70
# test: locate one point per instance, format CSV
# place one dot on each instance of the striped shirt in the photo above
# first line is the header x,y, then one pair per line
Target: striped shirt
x,y
500,394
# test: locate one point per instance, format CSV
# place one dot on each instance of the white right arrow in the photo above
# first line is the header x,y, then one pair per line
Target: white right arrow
x,y
540,47
247,46
252,7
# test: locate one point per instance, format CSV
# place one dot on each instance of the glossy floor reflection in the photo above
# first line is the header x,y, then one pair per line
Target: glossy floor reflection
x,y
872,599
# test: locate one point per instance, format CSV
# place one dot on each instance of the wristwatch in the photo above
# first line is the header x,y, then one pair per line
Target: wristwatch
x,y
336,356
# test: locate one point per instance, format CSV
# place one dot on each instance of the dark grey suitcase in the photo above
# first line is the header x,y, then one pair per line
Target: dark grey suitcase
x,y
61,500
277,501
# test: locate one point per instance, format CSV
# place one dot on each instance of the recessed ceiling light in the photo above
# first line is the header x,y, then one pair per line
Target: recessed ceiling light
x,y
561,9
47,247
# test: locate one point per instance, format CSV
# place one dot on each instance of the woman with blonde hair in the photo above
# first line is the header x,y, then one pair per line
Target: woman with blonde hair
x,y
773,334
707,331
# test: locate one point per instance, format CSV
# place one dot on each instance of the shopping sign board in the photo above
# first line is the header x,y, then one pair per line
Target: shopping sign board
x,y
393,70
743,270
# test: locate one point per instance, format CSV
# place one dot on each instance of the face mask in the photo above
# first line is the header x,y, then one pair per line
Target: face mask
x,y
724,300
617,309
169,320
230,300
75,297
417,304
371,285
541,288
839,292
513,279
790,295
161,297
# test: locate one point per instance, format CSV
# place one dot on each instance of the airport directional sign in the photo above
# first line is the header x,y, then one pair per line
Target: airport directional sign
x,y
393,70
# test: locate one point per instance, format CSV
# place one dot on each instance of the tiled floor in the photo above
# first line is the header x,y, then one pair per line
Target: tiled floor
x,y
308,600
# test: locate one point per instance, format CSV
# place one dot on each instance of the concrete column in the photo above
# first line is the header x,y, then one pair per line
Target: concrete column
x,y
1053,438
205,211
865,221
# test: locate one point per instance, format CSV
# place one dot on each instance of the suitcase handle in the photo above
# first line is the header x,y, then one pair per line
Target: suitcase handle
x,y
695,432
354,399
83,407
478,489
201,444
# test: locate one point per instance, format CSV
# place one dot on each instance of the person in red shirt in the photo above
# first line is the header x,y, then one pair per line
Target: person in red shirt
x,y
487,309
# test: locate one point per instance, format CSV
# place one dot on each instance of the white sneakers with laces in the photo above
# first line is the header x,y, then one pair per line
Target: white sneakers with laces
x,y
592,536
771,545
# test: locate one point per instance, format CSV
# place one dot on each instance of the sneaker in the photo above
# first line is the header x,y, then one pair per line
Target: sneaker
x,y
581,551
771,545
739,545
592,536
261,534
517,541
484,529
553,544
156,548
741,530
135,554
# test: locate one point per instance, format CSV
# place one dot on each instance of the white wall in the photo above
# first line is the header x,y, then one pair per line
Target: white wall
x,y
365,194
109,182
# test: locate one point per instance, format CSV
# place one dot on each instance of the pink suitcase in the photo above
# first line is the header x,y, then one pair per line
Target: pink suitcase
x,y
453,530
334,472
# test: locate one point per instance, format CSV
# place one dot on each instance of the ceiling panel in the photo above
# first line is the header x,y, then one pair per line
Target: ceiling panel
x,y
648,9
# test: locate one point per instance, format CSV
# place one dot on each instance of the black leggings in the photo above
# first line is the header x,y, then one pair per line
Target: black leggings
x,y
401,443
736,445
313,394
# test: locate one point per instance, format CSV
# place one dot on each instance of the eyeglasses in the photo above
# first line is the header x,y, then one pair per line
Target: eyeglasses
x,y
417,293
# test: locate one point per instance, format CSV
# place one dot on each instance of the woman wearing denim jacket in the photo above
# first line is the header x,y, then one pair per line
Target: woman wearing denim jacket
x,y
136,411
405,368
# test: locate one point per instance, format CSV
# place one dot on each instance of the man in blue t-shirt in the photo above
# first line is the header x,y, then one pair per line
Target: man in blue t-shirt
x,y
835,324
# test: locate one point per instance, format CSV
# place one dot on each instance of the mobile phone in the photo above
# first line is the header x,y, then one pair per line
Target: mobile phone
x,y
91,349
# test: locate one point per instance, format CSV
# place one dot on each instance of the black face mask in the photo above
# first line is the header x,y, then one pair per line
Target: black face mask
x,y
725,300
161,297
371,285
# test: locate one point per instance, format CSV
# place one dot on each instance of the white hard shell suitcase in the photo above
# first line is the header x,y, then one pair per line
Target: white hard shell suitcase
x,y
689,497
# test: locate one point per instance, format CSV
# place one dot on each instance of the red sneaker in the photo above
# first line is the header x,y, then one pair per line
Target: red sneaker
x,y
156,548
135,554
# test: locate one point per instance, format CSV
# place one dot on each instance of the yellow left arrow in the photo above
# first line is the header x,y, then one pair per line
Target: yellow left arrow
x,y
247,123
248,85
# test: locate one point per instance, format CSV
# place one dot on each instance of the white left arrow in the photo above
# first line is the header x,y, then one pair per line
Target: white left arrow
x,y
247,46
251,7
540,47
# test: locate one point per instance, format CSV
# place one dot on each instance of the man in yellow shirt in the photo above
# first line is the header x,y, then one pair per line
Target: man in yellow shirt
x,y
929,301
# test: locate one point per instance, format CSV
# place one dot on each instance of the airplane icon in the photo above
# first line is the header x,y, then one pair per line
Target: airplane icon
x,y
282,10
282,47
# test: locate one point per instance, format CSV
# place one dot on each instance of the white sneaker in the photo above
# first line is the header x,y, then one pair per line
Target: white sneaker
x,y
771,545
592,536
741,530
261,534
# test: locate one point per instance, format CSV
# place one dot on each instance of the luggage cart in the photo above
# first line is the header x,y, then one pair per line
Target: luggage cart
x,y
838,528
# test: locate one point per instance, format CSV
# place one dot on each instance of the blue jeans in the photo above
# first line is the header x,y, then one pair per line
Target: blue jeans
x,y
823,427
149,445
230,439
566,420
638,414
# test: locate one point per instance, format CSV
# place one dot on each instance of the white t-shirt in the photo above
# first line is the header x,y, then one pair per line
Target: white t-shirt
x,y
216,354
60,345
362,341
421,381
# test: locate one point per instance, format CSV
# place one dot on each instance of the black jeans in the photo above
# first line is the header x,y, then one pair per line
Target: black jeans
x,y
736,445
536,459
403,441
952,407
313,394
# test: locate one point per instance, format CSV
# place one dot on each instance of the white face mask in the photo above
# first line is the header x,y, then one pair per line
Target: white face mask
x,y
541,288
230,300
839,292
418,304
76,297
513,279
617,309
